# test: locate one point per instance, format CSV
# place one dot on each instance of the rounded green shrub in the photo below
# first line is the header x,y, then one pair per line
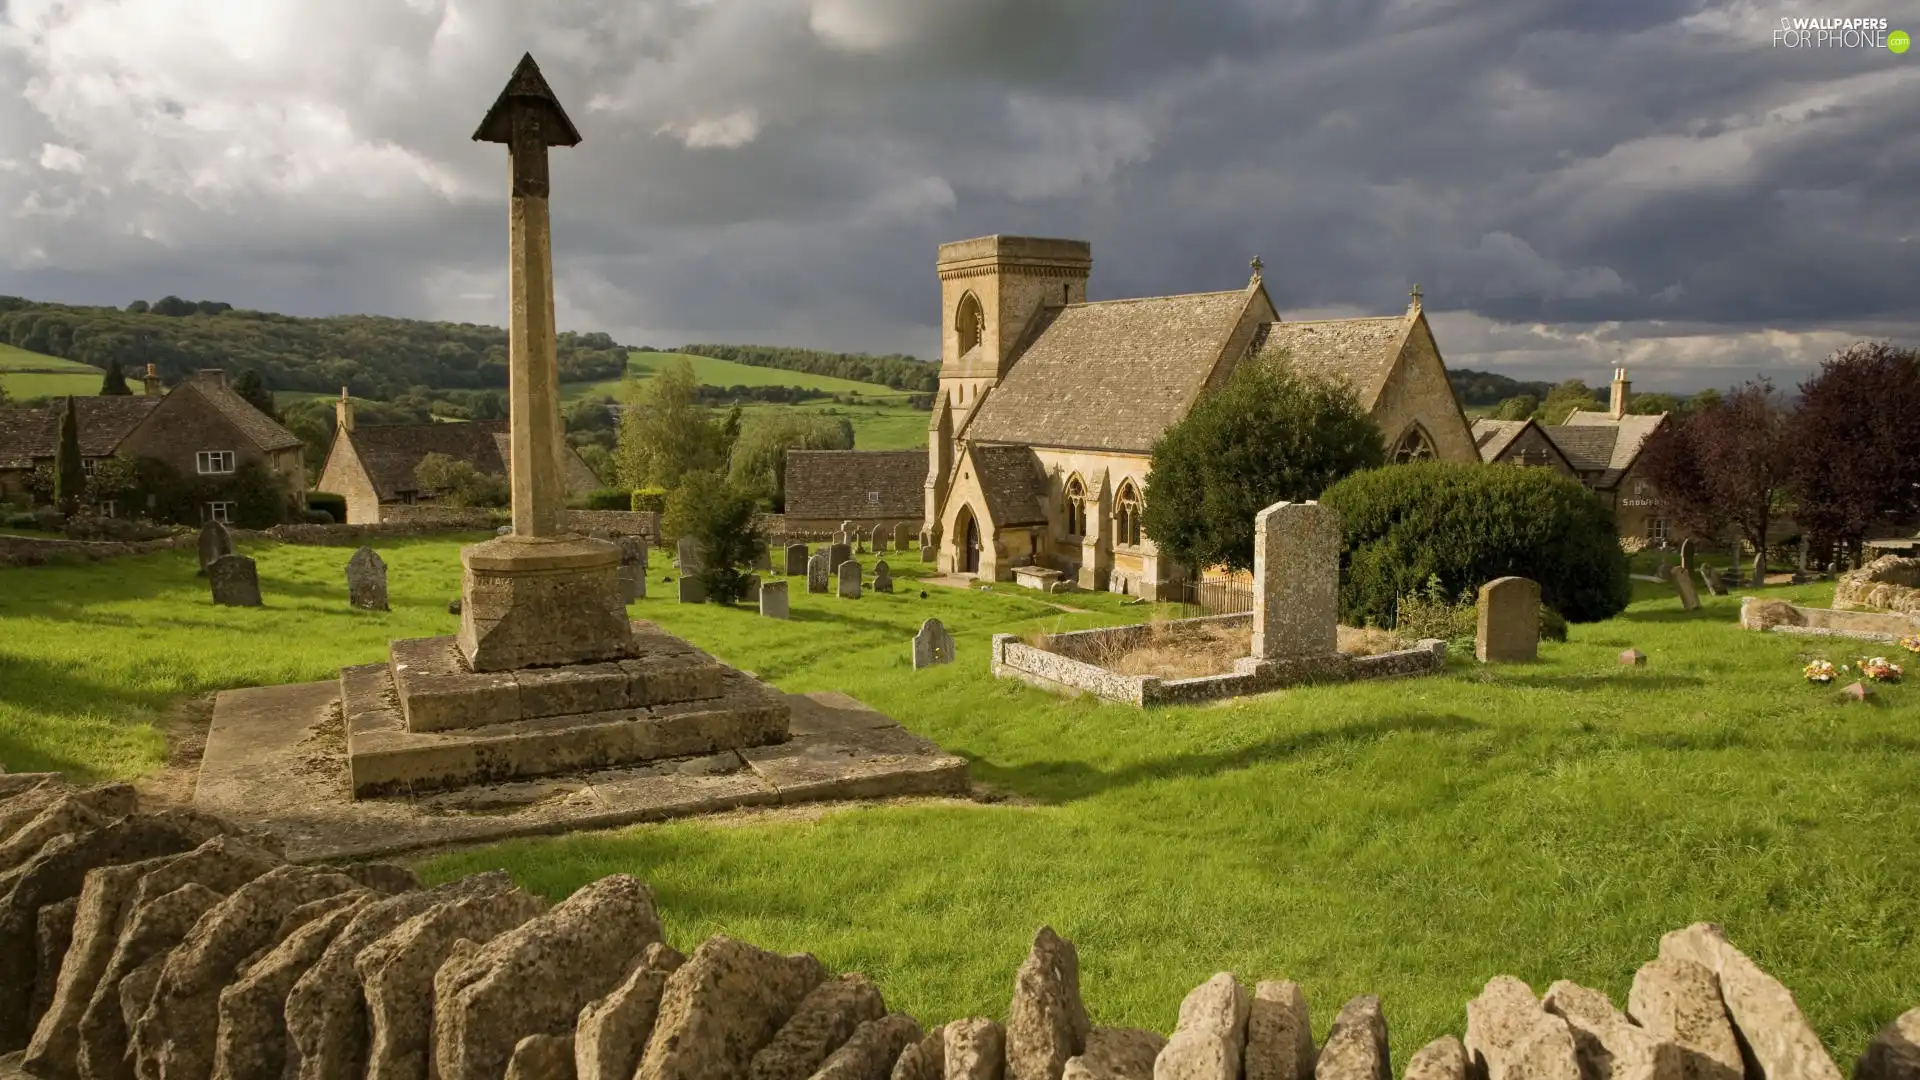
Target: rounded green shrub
x,y
648,499
1466,524
609,499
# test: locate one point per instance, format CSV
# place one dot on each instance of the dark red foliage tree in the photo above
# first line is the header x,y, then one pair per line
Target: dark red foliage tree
x,y
1725,463
1856,438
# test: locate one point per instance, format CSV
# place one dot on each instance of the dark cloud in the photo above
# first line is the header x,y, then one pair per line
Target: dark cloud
x,y
1572,183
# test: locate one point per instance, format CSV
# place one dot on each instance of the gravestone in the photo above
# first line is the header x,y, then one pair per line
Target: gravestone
x,y
1633,658
903,537
633,582
215,541
688,552
1711,579
838,554
928,552
1683,584
882,577
235,581
1296,575
932,645
773,599
1759,569
877,536
750,590
762,559
1686,555
1800,560
847,581
1509,624
817,573
796,559
691,590
633,551
367,580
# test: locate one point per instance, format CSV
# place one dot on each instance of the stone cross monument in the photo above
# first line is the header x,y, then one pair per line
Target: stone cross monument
x,y
540,595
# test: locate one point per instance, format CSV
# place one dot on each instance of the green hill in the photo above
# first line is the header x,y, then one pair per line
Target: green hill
x,y
726,373
28,375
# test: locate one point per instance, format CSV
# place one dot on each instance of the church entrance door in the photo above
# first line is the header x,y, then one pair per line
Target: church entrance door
x,y
971,555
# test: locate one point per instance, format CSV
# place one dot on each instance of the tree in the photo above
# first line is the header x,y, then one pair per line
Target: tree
x,y
1725,463
720,520
114,383
1519,407
69,473
664,434
254,389
138,307
1563,399
1652,404
1271,434
758,464
1856,439
457,483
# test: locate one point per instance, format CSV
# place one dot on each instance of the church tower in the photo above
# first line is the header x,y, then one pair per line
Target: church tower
x,y
991,289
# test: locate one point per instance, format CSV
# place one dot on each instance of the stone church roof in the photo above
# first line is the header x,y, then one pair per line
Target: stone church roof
x,y
1108,375
390,453
1010,478
837,485
1358,351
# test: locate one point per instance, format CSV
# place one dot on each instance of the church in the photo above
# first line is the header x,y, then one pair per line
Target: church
x,y
1049,404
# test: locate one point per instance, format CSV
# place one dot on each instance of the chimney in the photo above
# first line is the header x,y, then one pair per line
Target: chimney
x,y
152,381
343,412
1620,388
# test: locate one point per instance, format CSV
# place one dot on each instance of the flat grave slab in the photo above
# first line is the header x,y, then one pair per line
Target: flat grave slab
x,y
276,759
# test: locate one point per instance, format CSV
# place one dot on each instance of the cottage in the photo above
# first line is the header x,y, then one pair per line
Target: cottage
x,y
201,428
374,466
1049,405
866,487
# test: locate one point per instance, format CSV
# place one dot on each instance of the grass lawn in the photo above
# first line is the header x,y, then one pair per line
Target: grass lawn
x,y
725,373
1407,838
27,375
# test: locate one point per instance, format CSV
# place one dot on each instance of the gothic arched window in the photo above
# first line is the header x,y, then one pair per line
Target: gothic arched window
x,y
1126,515
1414,446
969,322
1076,508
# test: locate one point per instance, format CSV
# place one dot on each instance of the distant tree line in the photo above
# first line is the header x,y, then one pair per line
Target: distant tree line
x,y
897,370
372,356
1480,388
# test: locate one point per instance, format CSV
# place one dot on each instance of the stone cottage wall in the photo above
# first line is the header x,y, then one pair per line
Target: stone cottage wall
x,y
174,944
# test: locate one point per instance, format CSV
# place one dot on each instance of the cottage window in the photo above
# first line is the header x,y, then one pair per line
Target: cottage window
x,y
221,512
1126,516
1657,530
214,462
873,498
1076,508
87,465
109,508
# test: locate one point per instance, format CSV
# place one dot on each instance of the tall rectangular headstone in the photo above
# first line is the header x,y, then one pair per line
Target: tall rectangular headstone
x,y
838,554
817,573
1509,621
796,559
773,599
847,581
1683,584
234,580
691,590
877,536
367,580
928,553
903,537
688,552
1296,578
633,582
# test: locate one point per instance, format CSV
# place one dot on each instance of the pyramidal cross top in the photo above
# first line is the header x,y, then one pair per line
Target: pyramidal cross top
x,y
541,596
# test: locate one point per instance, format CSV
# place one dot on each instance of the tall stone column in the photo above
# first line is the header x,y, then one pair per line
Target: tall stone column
x,y
541,596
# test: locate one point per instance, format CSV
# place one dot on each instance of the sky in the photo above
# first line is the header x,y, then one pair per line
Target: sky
x,y
1573,184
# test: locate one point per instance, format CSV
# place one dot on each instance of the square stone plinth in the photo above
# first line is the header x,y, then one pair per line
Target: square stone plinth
x,y
541,601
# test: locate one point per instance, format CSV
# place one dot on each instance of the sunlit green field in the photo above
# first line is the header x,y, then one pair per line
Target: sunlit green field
x,y
725,373
27,375
1408,838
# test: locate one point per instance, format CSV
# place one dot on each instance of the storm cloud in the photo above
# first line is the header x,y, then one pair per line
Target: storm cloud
x,y
1573,184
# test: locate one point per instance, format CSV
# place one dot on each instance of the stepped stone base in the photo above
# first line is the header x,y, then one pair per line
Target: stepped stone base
x,y
428,721
530,601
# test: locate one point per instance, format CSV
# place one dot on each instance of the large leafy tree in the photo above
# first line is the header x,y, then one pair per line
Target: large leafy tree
x,y
1271,434
1856,439
664,432
758,463
254,390
1726,462
1563,399
69,474
114,382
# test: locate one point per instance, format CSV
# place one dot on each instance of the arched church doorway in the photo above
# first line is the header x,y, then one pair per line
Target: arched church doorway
x,y
969,541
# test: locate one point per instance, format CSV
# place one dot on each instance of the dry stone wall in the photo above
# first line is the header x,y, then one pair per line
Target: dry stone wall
x,y
172,946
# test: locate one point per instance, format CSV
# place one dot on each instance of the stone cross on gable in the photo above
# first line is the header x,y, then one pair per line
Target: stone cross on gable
x,y
1415,295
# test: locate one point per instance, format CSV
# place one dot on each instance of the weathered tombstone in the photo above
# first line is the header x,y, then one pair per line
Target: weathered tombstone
x,y
1509,624
796,559
847,581
1711,580
215,541
692,591
928,552
932,645
817,573
1296,574
367,580
762,560
1759,569
688,552
235,581
903,537
633,582
1800,560
1683,584
633,551
877,536
750,591
882,577
773,599
838,554
1686,555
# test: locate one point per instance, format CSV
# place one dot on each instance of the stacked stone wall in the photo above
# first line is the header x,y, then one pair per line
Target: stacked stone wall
x,y
174,945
